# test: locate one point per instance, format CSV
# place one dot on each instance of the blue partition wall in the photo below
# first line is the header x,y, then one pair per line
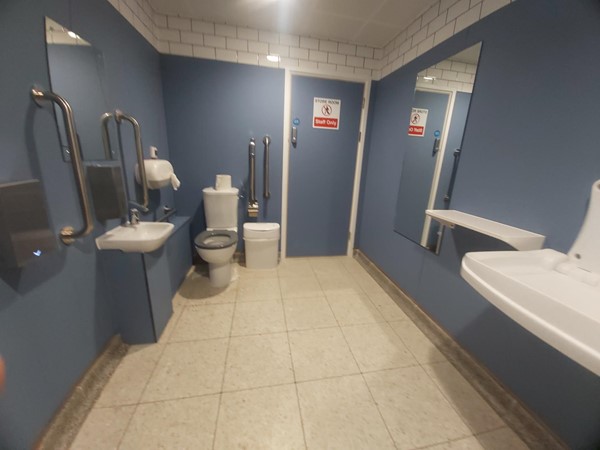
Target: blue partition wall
x,y
523,164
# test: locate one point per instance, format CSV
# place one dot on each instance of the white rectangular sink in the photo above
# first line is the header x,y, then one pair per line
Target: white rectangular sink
x,y
143,237
545,292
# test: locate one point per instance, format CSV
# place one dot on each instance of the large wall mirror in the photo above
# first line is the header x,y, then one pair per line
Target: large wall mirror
x,y
77,74
435,132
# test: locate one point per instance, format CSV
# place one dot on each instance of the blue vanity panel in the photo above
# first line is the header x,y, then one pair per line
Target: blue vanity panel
x,y
530,155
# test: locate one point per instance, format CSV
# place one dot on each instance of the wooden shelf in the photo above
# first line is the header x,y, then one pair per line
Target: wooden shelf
x,y
516,237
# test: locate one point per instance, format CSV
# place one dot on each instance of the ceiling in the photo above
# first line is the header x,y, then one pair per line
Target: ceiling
x,y
366,22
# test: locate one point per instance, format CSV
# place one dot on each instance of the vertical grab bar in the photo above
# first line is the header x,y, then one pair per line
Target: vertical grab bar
x,y
68,234
252,160
267,191
119,117
104,119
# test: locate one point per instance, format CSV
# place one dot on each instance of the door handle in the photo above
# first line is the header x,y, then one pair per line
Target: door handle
x,y
294,136
436,146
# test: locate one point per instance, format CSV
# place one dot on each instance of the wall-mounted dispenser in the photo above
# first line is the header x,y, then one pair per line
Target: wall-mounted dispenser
x,y
25,232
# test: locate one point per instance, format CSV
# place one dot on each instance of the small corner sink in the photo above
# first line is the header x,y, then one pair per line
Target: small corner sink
x,y
143,237
158,173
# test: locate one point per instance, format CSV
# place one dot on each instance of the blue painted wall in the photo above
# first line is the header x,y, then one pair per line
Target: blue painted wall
x,y
530,155
55,314
213,108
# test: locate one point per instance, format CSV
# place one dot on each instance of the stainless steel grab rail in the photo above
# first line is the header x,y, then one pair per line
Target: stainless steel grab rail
x,y
267,191
252,157
119,117
68,234
104,119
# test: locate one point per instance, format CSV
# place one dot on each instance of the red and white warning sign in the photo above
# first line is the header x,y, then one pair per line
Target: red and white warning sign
x,y
326,113
418,121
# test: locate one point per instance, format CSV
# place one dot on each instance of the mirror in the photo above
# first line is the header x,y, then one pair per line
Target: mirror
x,y
435,132
77,74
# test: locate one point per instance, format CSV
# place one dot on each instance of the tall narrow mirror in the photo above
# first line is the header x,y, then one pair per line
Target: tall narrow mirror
x,y
435,132
77,74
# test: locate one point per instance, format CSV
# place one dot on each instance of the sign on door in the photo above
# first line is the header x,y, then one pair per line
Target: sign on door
x,y
418,121
326,113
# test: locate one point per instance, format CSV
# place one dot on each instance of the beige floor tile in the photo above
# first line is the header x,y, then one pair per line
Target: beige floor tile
x,y
353,266
245,273
376,347
300,287
329,266
103,428
388,307
473,409
354,309
258,318
308,313
266,418
502,439
470,443
257,361
320,354
196,290
175,424
259,289
415,411
127,383
295,267
339,285
203,322
368,284
339,413
188,369
417,343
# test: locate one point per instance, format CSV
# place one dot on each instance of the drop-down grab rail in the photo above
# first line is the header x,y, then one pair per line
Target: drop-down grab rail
x,y
266,190
68,234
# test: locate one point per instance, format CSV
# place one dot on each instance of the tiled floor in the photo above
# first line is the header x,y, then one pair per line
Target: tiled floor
x,y
311,355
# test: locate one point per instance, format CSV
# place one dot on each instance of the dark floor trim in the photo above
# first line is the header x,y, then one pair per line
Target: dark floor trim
x,y
64,426
508,406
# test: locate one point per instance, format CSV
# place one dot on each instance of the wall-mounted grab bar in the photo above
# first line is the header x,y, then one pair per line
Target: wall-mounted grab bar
x,y
68,234
252,160
119,117
267,191
104,119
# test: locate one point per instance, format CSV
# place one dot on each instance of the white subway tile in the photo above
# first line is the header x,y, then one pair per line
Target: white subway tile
x,y
344,69
214,41
258,47
355,61
401,38
347,49
459,66
475,2
378,53
300,53
365,52
204,52
181,49
160,20
450,75
237,44
436,24
334,58
165,34
188,37
409,55
226,55
389,47
248,58
126,12
291,40
289,62
444,65
455,84
163,47
404,48
328,46
310,43
325,67
456,10
425,46
132,4
371,63
471,68
419,36
399,63
430,14
464,77
308,65
363,72
386,71
376,74
203,27
179,23
268,36
225,30
436,73
263,61
489,6
444,33
247,33
281,50
315,55
445,4
414,27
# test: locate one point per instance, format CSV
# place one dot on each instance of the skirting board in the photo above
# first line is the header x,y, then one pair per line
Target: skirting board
x,y
515,414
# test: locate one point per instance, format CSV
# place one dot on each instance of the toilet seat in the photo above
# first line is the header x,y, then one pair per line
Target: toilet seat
x,y
215,239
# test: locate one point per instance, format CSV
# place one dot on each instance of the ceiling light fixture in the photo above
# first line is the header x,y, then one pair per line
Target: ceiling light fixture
x,y
72,35
273,58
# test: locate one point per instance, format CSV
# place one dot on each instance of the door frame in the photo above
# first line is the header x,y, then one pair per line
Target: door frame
x,y
287,117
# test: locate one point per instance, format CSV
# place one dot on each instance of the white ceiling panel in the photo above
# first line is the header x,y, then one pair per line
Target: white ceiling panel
x,y
366,22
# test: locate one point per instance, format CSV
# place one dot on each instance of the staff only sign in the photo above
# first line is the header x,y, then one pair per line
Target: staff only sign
x,y
326,113
418,121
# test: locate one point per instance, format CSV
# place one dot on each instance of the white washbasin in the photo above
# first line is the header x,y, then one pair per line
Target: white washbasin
x,y
547,293
143,237
158,173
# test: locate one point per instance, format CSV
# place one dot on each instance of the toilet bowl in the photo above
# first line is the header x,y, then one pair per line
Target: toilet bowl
x,y
217,247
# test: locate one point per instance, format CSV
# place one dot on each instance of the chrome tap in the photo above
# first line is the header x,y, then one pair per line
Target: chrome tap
x,y
134,216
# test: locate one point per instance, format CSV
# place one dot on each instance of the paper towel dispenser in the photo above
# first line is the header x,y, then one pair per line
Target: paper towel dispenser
x,y
25,232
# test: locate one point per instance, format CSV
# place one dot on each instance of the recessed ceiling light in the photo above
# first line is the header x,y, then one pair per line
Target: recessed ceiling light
x,y
273,58
72,35
429,78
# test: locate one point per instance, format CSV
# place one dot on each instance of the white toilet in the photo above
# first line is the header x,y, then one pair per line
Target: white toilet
x,y
217,244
